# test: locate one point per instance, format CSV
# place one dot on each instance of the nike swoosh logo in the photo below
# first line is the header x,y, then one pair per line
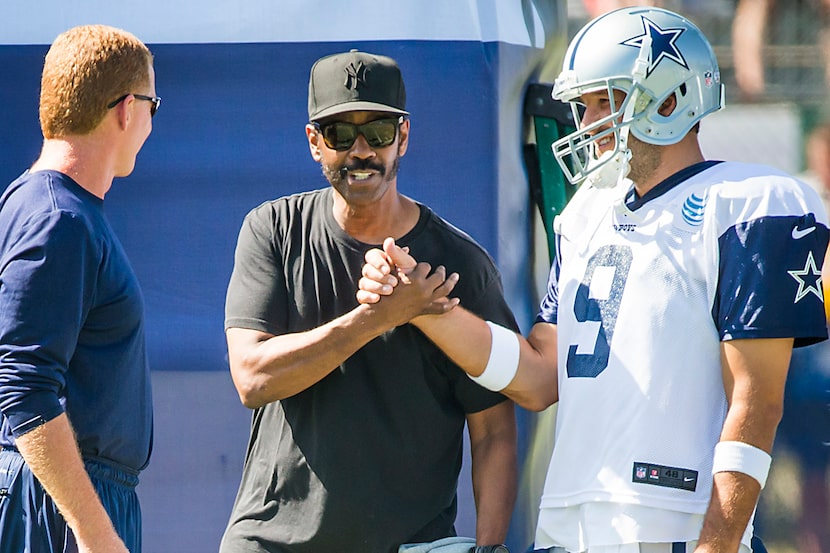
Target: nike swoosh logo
x,y
686,479
802,232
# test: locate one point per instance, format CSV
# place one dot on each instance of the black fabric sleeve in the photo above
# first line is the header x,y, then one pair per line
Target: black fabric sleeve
x,y
257,293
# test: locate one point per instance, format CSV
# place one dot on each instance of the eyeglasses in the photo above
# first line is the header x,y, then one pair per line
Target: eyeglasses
x,y
341,135
154,99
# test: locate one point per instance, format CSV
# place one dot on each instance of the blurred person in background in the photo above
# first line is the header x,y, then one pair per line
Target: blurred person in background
x,y
750,33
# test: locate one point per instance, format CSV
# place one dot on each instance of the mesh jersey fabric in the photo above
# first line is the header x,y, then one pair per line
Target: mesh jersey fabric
x,y
642,293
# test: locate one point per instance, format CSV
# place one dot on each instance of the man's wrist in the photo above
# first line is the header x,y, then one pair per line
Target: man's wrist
x,y
495,548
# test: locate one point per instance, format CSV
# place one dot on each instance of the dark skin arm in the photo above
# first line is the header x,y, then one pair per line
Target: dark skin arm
x,y
266,368
494,473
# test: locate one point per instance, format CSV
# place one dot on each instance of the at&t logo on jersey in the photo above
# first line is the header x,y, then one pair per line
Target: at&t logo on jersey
x,y
693,209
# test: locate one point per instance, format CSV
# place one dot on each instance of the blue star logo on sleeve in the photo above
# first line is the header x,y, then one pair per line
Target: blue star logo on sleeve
x,y
663,44
808,279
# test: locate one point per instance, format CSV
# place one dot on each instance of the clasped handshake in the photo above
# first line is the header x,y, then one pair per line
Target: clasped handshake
x,y
400,288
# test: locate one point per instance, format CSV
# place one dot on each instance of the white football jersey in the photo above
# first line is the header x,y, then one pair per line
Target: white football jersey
x,y
643,291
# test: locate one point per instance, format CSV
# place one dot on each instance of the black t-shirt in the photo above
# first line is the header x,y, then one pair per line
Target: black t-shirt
x,y
367,458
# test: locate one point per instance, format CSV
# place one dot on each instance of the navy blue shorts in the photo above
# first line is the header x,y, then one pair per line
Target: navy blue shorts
x,y
30,522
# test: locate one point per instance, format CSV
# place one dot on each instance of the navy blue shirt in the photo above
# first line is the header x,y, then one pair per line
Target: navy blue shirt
x,y
71,323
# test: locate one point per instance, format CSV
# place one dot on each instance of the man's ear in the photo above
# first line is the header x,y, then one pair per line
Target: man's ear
x,y
123,111
313,136
403,136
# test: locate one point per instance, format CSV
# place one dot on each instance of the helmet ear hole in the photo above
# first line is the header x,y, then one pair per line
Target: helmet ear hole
x,y
668,106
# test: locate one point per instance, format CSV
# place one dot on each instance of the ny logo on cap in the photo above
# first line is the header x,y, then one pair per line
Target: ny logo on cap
x,y
355,75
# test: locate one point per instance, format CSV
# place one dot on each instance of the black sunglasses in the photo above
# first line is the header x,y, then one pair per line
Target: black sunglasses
x,y
154,99
340,135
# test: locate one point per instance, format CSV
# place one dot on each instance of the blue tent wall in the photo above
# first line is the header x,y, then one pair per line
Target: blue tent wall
x,y
229,135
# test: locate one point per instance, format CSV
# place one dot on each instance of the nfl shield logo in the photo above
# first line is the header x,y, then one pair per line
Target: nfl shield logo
x,y
641,472
708,78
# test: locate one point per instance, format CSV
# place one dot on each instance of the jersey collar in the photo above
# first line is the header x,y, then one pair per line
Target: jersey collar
x,y
633,202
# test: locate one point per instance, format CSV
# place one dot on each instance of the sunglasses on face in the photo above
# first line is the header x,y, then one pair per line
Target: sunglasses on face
x,y
340,135
154,99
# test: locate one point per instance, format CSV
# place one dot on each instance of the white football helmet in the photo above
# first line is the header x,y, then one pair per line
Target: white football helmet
x,y
648,53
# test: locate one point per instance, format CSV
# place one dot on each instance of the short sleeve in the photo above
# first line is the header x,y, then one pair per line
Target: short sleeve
x,y
256,293
770,279
549,306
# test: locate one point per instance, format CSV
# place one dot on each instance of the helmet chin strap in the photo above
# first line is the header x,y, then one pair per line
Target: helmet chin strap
x,y
613,166
613,169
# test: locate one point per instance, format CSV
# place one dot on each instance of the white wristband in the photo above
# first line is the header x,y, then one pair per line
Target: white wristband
x,y
742,457
504,359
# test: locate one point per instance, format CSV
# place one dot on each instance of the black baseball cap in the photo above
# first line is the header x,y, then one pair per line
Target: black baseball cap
x,y
355,81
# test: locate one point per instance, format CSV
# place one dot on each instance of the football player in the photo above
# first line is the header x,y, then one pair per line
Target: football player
x,y
679,289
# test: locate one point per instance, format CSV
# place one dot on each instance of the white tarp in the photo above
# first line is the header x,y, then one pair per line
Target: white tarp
x,y
197,21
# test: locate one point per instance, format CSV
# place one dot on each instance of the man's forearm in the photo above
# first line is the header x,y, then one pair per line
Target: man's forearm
x,y
462,336
755,372
52,454
268,368
466,339
495,494
493,445
734,496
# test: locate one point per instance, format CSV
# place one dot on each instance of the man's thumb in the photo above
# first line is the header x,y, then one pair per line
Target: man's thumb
x,y
398,255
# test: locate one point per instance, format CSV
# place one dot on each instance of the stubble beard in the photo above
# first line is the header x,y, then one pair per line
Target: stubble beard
x,y
645,159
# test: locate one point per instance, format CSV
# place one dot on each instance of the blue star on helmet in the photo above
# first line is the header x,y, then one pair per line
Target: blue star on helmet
x,y
663,44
